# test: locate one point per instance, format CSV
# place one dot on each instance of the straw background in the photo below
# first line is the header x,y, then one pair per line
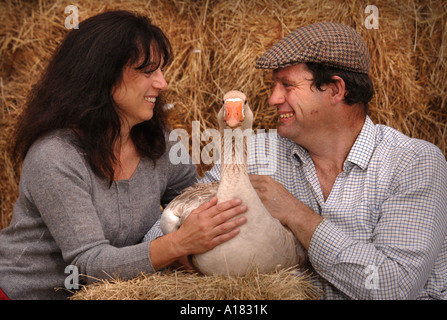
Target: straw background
x,y
216,44
182,285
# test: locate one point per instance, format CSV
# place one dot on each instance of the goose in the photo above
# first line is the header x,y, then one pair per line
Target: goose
x,y
262,242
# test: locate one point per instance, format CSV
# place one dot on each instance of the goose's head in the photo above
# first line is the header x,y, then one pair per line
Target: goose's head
x,y
235,112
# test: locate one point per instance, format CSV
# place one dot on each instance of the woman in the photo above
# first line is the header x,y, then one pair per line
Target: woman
x,y
96,166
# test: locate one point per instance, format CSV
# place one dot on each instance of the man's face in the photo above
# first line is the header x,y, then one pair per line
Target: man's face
x,y
301,108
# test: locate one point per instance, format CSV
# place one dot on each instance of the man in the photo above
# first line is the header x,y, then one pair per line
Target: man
x,y
368,203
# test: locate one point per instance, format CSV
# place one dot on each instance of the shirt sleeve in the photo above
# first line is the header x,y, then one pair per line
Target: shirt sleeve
x,y
153,232
59,184
406,241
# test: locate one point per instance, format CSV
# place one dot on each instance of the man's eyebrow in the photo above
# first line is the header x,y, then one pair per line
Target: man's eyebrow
x,y
285,79
274,74
276,78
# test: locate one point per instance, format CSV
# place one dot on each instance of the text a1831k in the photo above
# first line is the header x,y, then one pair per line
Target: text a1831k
x,y
245,309
234,309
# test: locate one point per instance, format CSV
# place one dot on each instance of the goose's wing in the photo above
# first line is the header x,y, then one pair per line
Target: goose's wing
x,y
180,207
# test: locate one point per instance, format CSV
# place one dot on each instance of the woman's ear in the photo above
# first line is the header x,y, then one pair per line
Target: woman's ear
x,y
337,90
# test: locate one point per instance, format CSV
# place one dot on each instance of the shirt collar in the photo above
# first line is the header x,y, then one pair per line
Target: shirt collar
x,y
298,152
363,147
360,153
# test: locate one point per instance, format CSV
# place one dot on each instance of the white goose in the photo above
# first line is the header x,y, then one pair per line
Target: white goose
x,y
262,242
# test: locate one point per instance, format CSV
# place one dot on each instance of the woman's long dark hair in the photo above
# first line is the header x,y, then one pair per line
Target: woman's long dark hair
x,y
75,90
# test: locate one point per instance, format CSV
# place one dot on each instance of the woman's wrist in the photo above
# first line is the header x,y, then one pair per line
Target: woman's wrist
x,y
165,250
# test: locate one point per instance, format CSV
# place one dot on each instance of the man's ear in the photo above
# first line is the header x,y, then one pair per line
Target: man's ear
x,y
337,90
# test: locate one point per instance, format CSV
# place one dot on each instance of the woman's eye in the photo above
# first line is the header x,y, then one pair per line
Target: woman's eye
x,y
150,71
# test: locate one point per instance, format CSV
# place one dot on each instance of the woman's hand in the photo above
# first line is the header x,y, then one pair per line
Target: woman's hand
x,y
210,225
205,228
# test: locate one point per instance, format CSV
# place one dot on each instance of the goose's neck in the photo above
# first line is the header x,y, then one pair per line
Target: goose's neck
x,y
234,155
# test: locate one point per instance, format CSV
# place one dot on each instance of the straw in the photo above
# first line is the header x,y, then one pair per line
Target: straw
x,y
182,285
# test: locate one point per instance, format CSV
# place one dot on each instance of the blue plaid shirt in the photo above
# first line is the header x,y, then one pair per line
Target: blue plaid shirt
x,y
384,230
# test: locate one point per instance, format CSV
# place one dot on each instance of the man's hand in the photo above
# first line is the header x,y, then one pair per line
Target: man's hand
x,y
283,206
274,196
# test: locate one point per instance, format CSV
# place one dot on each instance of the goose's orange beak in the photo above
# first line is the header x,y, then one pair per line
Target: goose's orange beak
x,y
234,112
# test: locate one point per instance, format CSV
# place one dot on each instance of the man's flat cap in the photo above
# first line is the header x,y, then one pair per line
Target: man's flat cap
x,y
332,44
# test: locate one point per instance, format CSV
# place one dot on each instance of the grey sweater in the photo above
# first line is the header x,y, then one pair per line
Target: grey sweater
x,y
67,216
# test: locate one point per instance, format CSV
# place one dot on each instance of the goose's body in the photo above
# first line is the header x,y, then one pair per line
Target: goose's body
x,y
262,242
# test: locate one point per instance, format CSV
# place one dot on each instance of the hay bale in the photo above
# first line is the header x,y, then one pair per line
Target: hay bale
x,y
216,44
182,285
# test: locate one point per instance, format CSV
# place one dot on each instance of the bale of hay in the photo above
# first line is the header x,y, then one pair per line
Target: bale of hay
x,y
182,285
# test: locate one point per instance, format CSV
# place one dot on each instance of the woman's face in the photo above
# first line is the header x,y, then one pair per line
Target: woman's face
x,y
136,93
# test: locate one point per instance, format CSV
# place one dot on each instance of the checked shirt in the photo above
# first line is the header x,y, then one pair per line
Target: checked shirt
x,y
384,230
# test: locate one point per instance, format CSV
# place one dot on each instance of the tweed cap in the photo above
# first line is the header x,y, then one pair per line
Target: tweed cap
x,y
328,43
